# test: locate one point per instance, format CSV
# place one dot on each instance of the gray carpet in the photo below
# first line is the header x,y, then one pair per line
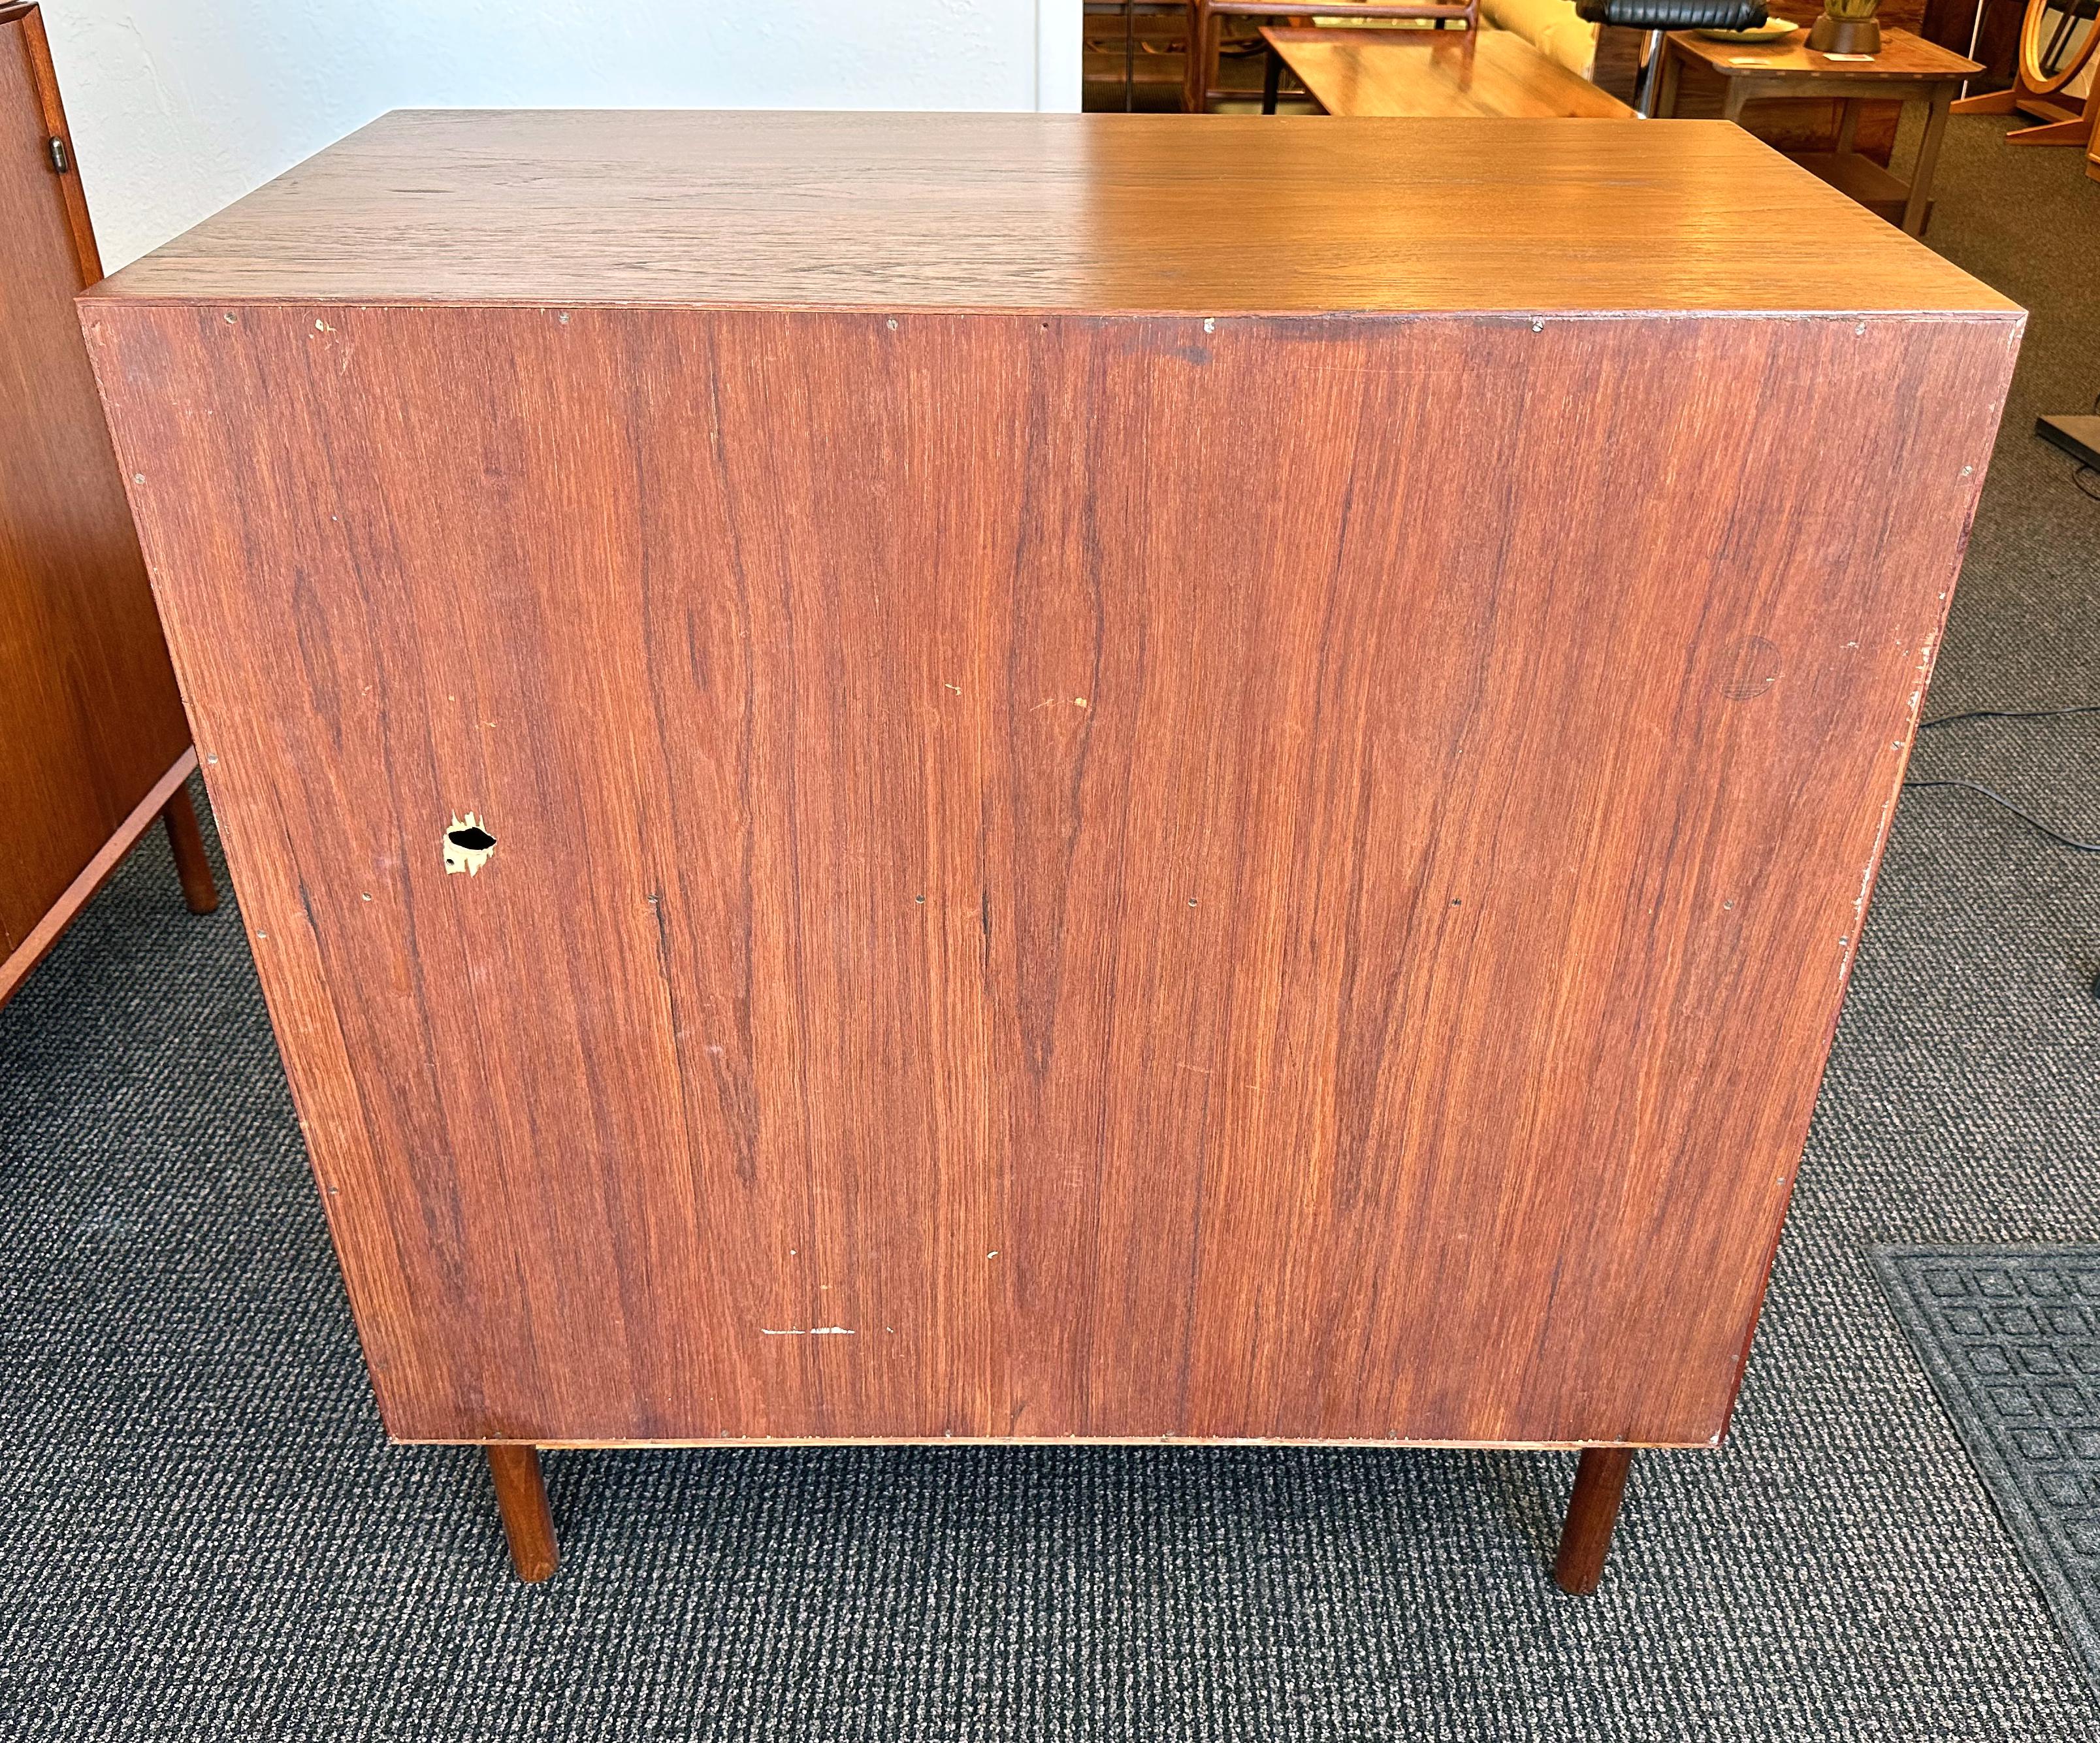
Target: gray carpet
x,y
2011,1338
207,1537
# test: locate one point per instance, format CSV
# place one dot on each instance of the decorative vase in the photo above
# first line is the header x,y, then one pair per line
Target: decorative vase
x,y
1847,26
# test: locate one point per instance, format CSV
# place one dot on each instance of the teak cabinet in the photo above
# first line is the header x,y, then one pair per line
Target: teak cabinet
x,y
92,744
976,778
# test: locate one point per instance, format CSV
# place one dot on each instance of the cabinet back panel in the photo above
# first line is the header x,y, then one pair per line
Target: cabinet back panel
x,y
1052,876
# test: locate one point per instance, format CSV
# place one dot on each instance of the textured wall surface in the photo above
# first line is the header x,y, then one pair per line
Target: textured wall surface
x,y
178,109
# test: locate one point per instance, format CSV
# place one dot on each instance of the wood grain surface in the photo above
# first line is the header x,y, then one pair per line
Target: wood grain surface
x,y
1430,73
1902,55
1128,214
1054,876
88,717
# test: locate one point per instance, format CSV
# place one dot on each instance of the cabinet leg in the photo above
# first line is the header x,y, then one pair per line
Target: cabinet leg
x,y
192,866
521,1498
1600,1484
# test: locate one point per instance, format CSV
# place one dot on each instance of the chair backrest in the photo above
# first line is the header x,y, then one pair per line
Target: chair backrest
x,y
1674,14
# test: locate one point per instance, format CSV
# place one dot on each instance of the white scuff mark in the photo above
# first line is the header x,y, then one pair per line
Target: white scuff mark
x,y
808,1331
993,1254
957,688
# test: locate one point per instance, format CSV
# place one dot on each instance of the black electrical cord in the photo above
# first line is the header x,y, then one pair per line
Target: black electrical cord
x,y
2032,822
1992,794
1956,719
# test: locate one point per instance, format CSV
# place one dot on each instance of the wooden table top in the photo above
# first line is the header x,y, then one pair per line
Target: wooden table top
x,y
1079,213
1903,56
1438,73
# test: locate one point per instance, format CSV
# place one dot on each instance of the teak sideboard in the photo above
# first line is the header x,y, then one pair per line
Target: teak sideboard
x,y
1042,778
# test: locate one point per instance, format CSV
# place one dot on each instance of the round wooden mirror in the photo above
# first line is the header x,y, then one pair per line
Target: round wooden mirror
x,y
2056,39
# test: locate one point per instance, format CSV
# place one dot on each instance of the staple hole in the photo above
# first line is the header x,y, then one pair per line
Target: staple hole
x,y
468,844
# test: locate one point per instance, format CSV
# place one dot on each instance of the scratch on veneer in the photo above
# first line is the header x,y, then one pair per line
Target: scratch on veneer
x,y
811,1331
1847,944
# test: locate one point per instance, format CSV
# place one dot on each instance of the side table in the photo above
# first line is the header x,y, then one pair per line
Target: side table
x,y
1907,68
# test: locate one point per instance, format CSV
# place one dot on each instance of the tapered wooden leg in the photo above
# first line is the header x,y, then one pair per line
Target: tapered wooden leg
x,y
2073,132
192,866
521,1496
1600,1484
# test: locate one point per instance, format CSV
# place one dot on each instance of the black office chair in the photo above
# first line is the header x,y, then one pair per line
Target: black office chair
x,y
1655,16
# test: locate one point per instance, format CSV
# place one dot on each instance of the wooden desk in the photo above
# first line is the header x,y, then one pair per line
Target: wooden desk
x,y
1436,72
1099,832
1907,67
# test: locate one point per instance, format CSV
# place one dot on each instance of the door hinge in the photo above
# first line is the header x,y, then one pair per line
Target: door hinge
x,y
61,161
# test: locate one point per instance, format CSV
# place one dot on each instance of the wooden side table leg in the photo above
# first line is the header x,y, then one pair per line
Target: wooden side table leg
x,y
1848,125
1593,1509
1920,201
192,866
521,1498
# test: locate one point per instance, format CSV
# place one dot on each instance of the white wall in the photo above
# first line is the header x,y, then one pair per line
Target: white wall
x,y
177,107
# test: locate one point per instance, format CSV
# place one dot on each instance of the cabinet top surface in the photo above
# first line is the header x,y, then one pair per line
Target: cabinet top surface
x,y
1112,214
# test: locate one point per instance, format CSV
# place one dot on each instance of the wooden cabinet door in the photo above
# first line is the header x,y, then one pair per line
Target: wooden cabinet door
x,y
89,715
